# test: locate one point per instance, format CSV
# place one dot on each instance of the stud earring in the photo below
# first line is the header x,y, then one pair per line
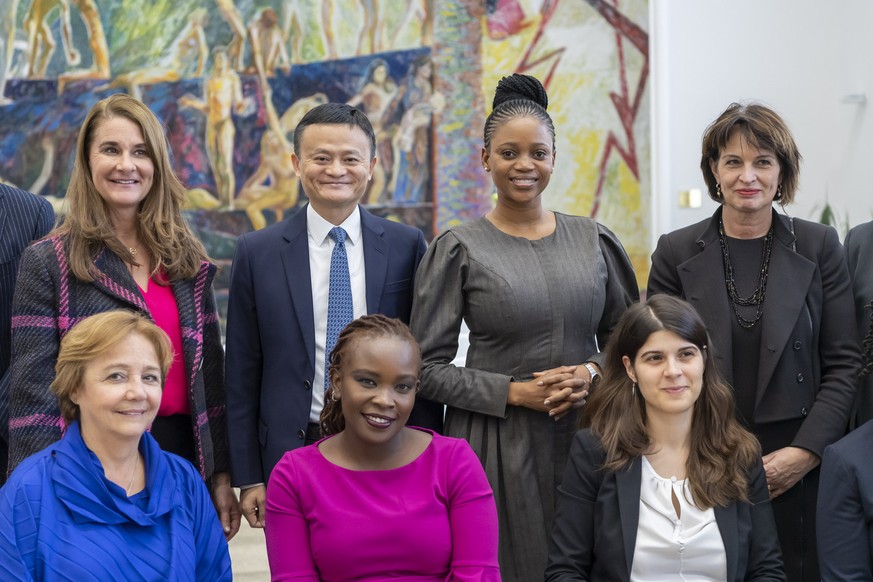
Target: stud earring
x,y
487,169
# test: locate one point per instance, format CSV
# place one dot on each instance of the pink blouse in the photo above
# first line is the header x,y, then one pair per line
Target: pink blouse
x,y
433,520
162,306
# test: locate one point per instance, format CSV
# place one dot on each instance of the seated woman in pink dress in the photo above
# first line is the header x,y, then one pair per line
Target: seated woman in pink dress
x,y
375,499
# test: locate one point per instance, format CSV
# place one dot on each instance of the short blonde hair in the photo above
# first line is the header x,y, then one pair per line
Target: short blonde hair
x,y
92,336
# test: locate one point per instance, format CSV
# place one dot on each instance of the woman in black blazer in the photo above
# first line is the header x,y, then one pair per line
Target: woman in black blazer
x,y
664,483
776,296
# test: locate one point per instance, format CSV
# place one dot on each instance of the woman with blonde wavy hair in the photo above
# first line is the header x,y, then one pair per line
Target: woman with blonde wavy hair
x,y
124,244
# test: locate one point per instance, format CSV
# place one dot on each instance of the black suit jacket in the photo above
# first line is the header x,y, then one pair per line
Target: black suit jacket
x,y
809,358
845,509
271,333
598,512
24,218
859,254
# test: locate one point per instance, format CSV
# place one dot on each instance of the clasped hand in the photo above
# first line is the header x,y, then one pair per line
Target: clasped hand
x,y
555,391
785,467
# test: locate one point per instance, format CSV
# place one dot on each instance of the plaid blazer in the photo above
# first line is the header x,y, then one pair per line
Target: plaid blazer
x,y
49,300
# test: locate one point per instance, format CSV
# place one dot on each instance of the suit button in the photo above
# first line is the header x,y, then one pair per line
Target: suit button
x,y
803,411
301,434
307,384
800,377
797,345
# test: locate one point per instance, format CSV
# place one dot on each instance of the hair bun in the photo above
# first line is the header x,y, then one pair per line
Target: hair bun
x,y
518,86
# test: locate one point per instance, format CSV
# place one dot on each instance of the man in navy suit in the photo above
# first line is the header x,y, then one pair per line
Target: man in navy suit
x,y
277,310
24,217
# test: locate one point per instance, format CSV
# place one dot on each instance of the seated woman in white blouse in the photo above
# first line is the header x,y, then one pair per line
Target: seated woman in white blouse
x,y
664,484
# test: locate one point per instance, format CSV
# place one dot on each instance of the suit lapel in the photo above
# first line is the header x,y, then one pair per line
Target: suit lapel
x,y
702,279
295,259
628,486
788,281
726,518
375,259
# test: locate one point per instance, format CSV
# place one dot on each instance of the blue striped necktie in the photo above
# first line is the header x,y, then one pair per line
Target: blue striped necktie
x,y
340,310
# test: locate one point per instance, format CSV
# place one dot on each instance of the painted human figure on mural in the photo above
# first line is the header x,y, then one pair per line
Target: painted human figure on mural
x,y
7,46
222,96
41,41
415,103
267,44
186,57
99,68
274,184
375,95
420,11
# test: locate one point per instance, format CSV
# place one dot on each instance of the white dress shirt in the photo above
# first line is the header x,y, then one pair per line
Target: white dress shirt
x,y
670,549
320,251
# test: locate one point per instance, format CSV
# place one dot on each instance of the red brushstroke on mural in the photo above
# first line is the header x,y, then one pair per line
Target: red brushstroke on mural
x,y
627,105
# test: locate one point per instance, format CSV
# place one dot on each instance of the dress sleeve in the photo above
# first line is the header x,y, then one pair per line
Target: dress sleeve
x,y
765,557
572,544
286,529
213,383
34,417
839,354
243,366
211,552
842,521
18,534
622,289
437,313
472,519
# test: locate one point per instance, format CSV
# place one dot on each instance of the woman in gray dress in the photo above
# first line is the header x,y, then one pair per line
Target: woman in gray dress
x,y
540,292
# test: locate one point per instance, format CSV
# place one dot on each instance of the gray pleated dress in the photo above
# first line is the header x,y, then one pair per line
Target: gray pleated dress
x,y
531,305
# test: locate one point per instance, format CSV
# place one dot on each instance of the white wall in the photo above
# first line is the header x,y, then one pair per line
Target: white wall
x,y
801,57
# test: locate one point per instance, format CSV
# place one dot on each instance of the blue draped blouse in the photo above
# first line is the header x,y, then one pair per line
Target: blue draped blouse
x,y
62,519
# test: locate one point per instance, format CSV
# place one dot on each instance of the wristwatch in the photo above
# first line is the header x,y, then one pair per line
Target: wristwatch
x,y
595,375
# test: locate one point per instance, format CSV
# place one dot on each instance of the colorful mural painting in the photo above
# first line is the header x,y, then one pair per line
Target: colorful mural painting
x,y
231,79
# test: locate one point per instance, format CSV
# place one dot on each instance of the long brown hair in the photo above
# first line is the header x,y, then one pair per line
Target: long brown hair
x,y
162,229
722,451
331,420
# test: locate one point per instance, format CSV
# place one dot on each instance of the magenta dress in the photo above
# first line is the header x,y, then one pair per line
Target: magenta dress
x,y
431,520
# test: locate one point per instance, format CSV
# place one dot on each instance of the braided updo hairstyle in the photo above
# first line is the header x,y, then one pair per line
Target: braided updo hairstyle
x,y
518,96
374,326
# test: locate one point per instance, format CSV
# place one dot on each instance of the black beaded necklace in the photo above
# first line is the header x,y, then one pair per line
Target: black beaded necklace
x,y
756,299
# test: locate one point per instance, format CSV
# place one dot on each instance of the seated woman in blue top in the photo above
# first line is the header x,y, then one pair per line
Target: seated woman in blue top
x,y
664,484
105,502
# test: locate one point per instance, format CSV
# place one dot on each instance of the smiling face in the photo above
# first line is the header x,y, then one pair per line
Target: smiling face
x,y
749,177
669,372
521,158
120,392
121,167
376,387
334,166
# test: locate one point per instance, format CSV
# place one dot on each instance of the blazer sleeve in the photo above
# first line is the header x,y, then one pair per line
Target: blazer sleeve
x,y
839,354
765,557
842,521
437,313
622,289
243,373
214,385
34,417
472,519
571,551
663,277
45,221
